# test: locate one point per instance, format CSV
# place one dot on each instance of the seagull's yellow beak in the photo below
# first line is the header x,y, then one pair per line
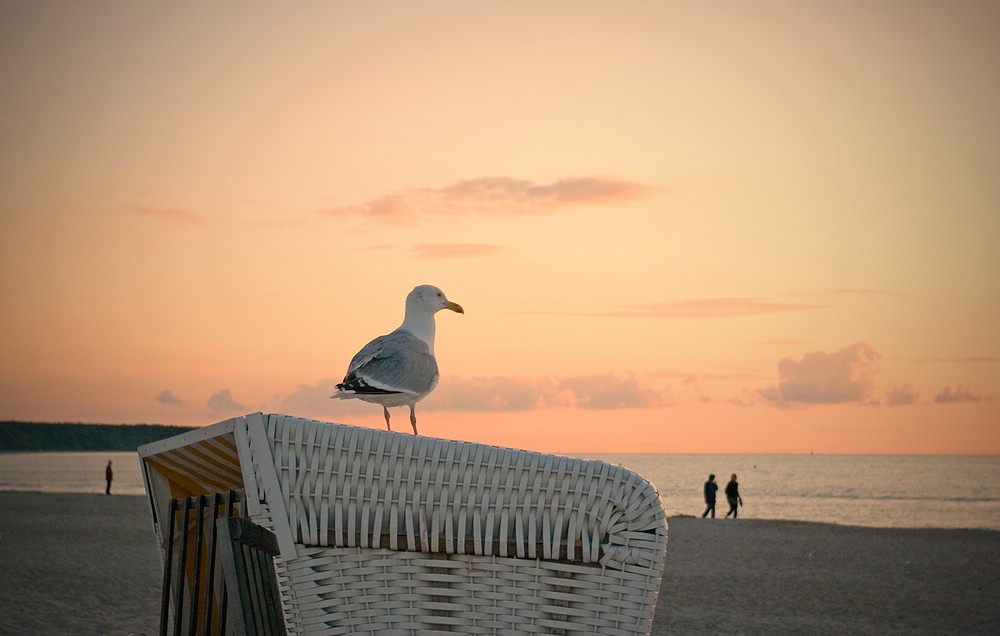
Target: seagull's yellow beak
x,y
455,307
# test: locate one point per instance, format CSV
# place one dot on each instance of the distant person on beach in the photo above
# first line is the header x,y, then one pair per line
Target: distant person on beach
x,y
733,496
710,488
108,475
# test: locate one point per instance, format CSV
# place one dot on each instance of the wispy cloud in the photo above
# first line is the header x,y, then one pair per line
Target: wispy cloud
x,y
846,291
844,376
179,216
709,308
496,196
168,397
780,343
961,360
694,308
959,394
456,250
863,291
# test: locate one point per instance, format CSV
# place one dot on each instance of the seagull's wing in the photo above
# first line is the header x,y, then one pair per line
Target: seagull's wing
x,y
392,364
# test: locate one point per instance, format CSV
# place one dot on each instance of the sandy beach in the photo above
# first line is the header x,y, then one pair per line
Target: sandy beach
x,y
88,564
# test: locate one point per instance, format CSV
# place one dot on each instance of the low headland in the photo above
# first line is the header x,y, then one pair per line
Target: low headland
x,y
45,437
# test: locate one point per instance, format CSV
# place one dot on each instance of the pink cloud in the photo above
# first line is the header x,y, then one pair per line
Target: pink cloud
x,y
172,215
456,250
848,375
493,196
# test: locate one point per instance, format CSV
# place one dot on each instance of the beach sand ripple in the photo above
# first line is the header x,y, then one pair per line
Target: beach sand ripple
x,y
88,564
769,577
77,564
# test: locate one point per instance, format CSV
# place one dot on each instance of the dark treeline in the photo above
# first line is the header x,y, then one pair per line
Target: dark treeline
x,y
35,436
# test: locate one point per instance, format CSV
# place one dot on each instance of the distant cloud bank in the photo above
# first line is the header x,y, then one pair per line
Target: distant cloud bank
x,y
502,394
493,196
598,392
898,394
848,375
959,394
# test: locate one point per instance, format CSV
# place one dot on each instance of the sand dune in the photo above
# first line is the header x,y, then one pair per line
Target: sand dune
x,y
88,564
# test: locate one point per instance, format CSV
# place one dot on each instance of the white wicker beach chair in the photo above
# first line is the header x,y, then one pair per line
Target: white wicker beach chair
x,y
388,533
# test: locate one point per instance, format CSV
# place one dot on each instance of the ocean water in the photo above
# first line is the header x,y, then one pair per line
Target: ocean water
x,y
903,491
70,472
885,491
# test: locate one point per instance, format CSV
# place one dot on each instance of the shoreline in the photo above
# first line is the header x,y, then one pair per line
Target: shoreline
x,y
89,564
88,491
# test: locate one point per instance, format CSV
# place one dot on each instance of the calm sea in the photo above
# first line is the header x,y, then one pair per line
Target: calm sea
x,y
885,491
864,490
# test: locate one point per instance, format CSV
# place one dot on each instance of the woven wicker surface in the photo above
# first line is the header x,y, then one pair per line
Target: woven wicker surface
x,y
390,533
409,534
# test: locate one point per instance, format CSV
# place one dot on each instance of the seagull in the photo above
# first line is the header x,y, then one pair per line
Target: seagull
x,y
399,368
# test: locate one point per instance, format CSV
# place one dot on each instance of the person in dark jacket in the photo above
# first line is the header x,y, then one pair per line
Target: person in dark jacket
x,y
108,475
733,496
710,489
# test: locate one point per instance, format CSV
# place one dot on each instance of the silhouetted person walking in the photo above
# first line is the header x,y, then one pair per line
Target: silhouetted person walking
x,y
108,475
710,489
733,496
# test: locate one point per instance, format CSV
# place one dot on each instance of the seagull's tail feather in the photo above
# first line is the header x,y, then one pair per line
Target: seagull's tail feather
x,y
355,387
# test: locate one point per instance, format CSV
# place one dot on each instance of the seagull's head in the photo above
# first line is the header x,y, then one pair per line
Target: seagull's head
x,y
428,298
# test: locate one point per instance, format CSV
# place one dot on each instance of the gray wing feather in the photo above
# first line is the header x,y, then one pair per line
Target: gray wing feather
x,y
396,362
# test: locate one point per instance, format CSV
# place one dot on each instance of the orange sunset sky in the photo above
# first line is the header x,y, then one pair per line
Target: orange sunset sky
x,y
674,226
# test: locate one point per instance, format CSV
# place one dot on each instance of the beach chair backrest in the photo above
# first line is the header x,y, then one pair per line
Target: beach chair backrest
x,y
382,532
440,534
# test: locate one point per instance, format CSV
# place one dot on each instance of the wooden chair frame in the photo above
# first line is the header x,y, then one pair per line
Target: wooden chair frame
x,y
247,551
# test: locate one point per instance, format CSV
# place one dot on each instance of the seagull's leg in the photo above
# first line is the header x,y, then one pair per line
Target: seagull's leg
x,y
413,419
386,411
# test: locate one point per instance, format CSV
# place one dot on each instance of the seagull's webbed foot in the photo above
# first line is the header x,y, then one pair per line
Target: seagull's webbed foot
x,y
413,419
385,411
